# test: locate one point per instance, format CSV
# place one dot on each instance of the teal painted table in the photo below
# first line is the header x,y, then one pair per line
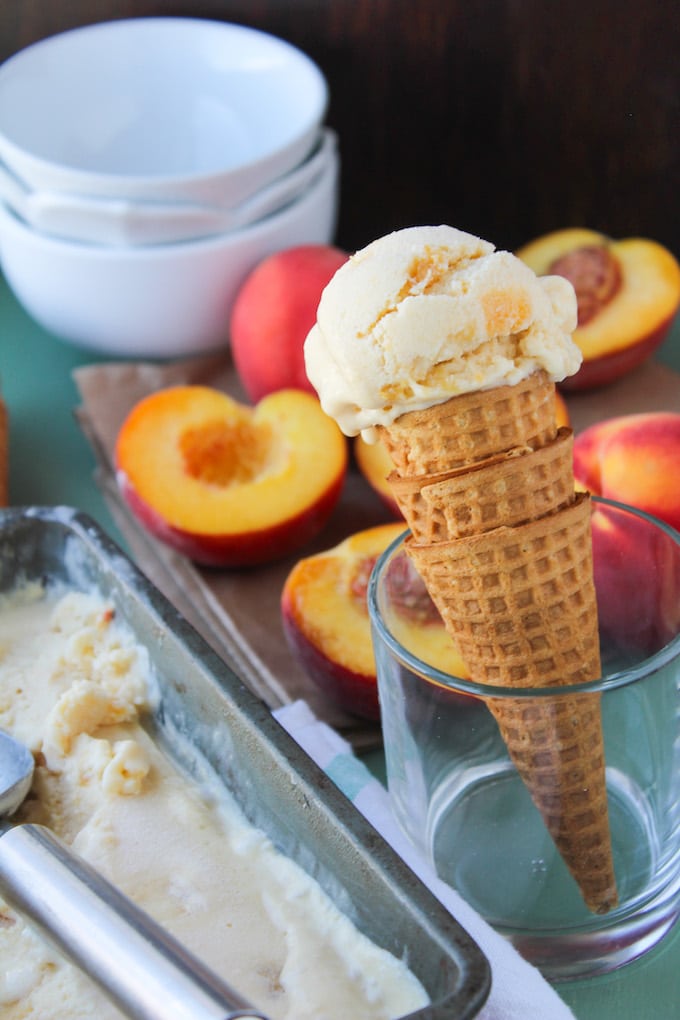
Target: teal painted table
x,y
51,463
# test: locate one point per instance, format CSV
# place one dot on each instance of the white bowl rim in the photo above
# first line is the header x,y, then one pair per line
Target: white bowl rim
x,y
141,252
104,221
17,156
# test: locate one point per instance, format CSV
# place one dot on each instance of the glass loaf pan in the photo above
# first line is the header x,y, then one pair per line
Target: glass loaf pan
x,y
276,784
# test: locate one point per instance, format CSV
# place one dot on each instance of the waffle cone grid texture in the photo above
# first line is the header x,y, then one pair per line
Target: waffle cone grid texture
x,y
472,427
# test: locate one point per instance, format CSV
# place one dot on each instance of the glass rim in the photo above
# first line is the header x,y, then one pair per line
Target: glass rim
x,y
617,678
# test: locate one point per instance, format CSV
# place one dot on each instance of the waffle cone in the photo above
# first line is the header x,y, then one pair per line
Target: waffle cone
x,y
519,602
520,485
472,427
426,524
562,766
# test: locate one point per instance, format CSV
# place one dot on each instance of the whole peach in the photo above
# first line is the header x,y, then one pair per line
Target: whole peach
x,y
633,459
637,575
274,310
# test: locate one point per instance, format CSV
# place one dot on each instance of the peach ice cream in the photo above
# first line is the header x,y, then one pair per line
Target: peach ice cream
x,y
75,688
427,313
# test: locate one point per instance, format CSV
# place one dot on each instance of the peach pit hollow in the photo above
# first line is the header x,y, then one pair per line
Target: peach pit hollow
x,y
222,453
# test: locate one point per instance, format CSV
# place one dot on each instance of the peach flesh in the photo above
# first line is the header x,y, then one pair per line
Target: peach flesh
x,y
226,484
628,293
325,619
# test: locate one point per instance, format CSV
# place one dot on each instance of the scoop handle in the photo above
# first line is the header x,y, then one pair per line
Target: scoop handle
x,y
143,969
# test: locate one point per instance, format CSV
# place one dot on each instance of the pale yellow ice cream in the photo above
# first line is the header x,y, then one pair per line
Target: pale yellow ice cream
x,y
427,313
74,686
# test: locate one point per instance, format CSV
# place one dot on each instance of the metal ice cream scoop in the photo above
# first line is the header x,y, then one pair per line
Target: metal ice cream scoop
x,y
143,969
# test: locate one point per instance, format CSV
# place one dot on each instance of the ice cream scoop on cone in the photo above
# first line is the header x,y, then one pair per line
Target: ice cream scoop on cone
x,y
448,352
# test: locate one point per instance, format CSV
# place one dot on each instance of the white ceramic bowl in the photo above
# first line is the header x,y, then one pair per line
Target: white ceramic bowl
x,y
159,108
129,222
156,301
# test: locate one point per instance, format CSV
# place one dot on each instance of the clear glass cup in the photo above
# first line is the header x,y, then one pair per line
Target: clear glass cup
x,y
460,800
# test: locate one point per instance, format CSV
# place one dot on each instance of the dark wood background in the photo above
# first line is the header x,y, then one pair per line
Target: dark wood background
x,y
508,118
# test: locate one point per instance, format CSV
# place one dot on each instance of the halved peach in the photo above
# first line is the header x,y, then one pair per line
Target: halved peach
x,y
375,465
628,294
227,484
325,619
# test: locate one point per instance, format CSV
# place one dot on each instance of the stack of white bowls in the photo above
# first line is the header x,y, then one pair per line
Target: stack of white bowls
x,y
146,166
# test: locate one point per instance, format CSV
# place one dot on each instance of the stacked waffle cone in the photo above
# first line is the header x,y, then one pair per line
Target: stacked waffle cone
x,y
502,541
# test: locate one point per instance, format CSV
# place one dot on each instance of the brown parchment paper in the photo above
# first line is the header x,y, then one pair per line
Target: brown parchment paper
x,y
237,611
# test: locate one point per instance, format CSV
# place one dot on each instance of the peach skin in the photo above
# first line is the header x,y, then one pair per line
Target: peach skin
x,y
633,459
274,310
